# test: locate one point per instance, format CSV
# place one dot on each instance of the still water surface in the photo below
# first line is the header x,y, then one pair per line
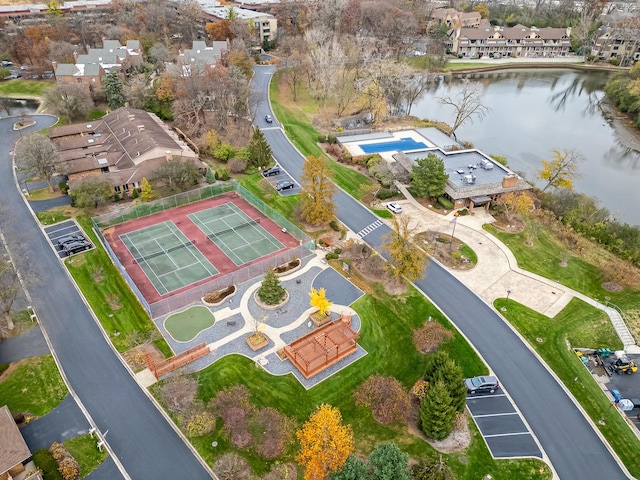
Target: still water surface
x,y
533,112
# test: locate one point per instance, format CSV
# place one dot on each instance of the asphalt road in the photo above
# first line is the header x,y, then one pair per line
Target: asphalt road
x,y
568,439
141,438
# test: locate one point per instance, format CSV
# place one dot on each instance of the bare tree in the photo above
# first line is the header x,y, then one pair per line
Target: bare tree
x,y
466,104
37,155
9,288
71,101
179,393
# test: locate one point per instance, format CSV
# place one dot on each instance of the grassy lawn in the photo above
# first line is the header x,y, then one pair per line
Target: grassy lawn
x,y
84,449
184,326
45,462
259,186
131,316
544,257
383,213
34,387
55,215
464,65
388,322
17,87
43,194
578,325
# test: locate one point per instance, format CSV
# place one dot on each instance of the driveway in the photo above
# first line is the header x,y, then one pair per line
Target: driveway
x,y
43,205
29,344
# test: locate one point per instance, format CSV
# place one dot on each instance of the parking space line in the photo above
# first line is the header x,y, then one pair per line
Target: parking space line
x,y
506,434
496,414
478,397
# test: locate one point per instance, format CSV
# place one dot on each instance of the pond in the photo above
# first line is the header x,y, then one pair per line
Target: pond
x,y
15,107
534,112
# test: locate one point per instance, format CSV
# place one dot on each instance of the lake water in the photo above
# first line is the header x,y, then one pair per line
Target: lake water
x,y
17,107
533,112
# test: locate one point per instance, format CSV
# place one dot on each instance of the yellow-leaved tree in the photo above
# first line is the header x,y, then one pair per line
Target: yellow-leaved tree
x,y
146,190
518,203
317,207
319,300
325,443
561,170
406,260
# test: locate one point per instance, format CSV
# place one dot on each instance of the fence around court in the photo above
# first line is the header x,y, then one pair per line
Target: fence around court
x,y
246,273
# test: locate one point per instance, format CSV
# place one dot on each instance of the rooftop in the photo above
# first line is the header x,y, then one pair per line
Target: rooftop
x,y
13,448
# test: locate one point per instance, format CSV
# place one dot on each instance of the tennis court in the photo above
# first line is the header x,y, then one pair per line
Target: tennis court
x,y
167,257
401,145
239,236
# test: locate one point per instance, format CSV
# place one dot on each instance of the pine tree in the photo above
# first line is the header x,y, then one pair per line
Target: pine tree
x,y
388,462
271,292
437,412
428,177
259,150
317,207
442,368
210,177
113,90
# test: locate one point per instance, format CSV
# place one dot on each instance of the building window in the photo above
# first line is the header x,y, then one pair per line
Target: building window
x,y
126,187
117,189
104,169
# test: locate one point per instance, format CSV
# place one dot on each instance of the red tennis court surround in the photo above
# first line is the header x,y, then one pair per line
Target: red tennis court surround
x,y
208,248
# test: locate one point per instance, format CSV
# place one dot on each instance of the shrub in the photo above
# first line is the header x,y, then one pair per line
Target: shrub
x,y
322,138
64,187
331,256
334,225
331,138
385,193
237,165
274,432
222,174
67,465
337,251
200,423
614,61
135,193
334,150
386,397
178,393
231,466
210,177
430,336
445,202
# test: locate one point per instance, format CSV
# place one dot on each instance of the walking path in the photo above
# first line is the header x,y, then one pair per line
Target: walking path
x,y
497,271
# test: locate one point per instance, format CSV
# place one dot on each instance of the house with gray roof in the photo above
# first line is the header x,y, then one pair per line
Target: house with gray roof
x,y
124,146
89,69
516,41
199,59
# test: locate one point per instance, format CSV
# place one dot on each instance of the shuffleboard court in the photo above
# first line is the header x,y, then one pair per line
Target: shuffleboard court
x,y
167,257
239,236
401,145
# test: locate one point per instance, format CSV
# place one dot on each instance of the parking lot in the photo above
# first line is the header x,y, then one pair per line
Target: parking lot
x,y
280,178
61,231
501,426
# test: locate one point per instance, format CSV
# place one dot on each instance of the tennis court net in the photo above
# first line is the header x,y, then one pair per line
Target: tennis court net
x,y
140,258
232,229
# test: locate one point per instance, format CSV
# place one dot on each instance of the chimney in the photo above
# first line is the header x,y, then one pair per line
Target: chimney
x,y
141,128
54,64
168,155
509,180
132,117
75,56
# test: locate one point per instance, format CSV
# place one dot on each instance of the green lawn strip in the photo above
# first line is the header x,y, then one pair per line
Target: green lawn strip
x,y
55,215
131,316
43,194
544,258
17,87
469,252
45,462
382,213
184,326
285,206
302,134
34,387
578,325
387,325
84,449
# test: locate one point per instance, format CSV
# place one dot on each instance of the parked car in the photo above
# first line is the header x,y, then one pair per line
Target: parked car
x,y
272,171
7,63
268,119
69,239
394,207
76,247
284,185
486,383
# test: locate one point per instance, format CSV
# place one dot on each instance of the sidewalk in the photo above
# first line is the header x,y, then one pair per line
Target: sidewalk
x,y
497,271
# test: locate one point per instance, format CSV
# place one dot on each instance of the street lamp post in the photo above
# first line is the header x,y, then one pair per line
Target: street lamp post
x,y
455,220
508,293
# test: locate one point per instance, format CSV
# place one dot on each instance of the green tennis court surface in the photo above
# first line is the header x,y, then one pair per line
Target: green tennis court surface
x,y
167,257
241,238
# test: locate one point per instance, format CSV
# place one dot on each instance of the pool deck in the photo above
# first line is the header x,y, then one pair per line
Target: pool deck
x,y
423,135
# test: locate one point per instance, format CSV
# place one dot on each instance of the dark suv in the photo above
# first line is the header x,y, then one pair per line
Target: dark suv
x,y
271,171
75,247
69,239
487,383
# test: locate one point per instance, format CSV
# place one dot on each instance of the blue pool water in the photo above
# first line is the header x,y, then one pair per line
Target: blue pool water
x,y
401,145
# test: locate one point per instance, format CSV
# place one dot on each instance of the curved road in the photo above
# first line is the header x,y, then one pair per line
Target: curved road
x,y
571,444
144,443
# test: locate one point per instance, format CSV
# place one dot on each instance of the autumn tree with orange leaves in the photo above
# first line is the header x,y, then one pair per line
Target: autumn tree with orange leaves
x,y
325,443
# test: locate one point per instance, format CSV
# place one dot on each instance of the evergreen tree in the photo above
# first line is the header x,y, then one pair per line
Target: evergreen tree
x,y
388,462
271,292
428,177
259,150
210,177
437,413
353,469
113,90
442,368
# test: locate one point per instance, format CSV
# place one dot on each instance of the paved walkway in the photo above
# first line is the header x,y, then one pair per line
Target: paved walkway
x,y
497,269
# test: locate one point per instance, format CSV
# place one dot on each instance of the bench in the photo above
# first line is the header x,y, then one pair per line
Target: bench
x,y
231,323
